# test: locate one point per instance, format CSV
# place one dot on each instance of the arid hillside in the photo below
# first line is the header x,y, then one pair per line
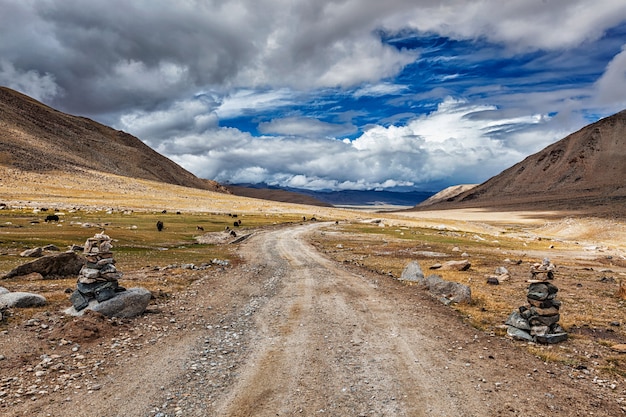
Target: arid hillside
x,y
37,138
585,170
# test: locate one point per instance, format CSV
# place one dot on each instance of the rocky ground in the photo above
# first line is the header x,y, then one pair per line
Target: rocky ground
x,y
286,332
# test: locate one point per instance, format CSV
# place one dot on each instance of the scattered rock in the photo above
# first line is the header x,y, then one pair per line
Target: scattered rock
x,y
21,300
412,273
32,253
463,265
3,291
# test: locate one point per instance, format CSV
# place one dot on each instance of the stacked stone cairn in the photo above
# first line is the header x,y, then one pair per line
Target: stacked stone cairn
x,y
539,320
98,278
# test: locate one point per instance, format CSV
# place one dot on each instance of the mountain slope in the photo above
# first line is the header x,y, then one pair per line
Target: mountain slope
x,y
584,170
35,137
276,195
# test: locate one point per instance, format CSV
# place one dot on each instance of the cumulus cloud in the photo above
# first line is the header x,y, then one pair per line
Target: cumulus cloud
x,y
449,144
611,87
39,86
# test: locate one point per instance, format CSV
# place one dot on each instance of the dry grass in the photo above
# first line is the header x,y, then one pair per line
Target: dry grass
x,y
621,291
592,313
593,308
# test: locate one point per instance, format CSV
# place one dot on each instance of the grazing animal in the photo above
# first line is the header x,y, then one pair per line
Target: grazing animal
x,y
159,225
52,218
200,228
236,224
233,234
164,211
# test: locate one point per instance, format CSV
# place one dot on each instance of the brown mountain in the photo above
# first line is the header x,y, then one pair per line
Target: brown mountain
x,y
38,138
586,170
276,195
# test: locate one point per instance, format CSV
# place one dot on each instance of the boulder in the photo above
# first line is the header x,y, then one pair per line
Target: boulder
x,y
3,291
50,266
126,304
453,291
32,253
412,273
463,265
21,300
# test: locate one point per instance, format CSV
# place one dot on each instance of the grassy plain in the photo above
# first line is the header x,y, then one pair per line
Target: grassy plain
x,y
590,253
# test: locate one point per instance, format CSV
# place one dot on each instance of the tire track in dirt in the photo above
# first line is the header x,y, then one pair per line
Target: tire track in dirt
x,y
329,343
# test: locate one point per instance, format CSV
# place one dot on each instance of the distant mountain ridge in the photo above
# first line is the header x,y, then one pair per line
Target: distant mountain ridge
x,y
336,198
586,169
35,137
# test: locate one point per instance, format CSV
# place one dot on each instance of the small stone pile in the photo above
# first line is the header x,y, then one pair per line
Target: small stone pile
x,y
98,278
539,321
545,267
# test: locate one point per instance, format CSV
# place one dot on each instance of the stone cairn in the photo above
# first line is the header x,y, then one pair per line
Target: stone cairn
x,y
539,320
98,278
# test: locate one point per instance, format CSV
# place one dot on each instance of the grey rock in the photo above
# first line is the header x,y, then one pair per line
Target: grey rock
x,y
544,320
551,338
50,266
21,300
519,334
412,273
455,292
516,320
52,248
501,270
3,291
539,330
32,253
126,304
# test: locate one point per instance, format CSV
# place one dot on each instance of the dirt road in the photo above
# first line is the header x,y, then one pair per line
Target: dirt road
x,y
290,332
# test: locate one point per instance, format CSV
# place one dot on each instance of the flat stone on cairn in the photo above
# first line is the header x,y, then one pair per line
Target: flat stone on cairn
x,y
539,321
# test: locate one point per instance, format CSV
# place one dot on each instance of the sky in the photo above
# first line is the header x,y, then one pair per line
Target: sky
x,y
326,94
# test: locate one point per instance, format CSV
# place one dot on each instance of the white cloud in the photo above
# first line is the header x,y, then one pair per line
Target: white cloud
x,y
305,126
245,101
445,147
381,89
611,87
39,86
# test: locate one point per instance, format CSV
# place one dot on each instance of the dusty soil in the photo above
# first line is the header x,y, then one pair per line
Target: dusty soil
x,y
286,332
